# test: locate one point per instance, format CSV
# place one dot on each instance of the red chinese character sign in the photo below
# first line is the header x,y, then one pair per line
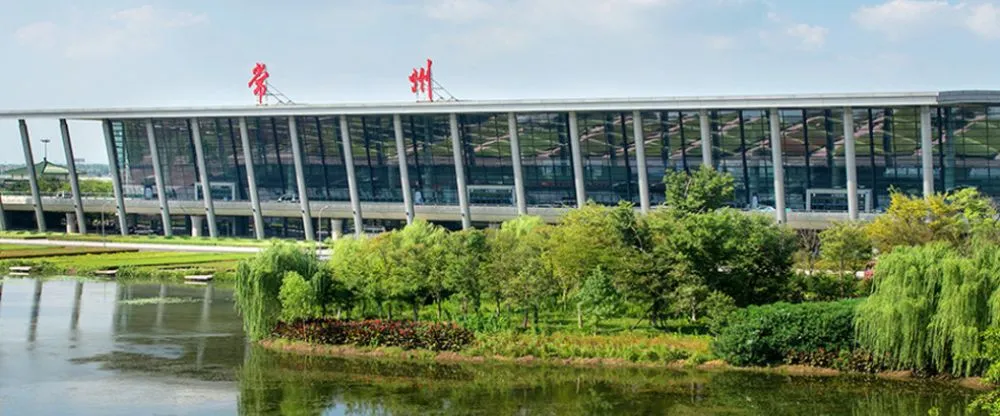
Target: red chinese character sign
x,y
421,81
258,81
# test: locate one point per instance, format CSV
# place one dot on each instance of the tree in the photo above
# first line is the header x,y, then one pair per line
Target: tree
x,y
952,218
599,297
504,256
585,240
298,300
847,245
465,253
419,269
704,190
259,281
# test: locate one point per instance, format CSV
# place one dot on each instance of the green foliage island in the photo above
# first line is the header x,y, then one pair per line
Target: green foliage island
x,y
915,290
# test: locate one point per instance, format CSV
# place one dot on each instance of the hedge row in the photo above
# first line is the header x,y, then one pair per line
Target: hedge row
x,y
377,333
771,334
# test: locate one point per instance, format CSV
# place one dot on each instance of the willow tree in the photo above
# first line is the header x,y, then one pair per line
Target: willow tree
x,y
929,307
258,285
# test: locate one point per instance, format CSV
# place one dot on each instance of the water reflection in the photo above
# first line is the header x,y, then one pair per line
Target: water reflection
x,y
129,351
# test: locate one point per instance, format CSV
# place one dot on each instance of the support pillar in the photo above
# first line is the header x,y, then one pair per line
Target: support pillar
x,y
3,216
116,178
336,228
70,223
640,161
456,152
74,182
258,216
161,189
206,186
352,179
926,151
850,164
515,158
197,222
300,180
404,169
574,146
29,161
706,138
779,169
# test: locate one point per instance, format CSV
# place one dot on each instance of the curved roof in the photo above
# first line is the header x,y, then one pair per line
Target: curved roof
x,y
903,99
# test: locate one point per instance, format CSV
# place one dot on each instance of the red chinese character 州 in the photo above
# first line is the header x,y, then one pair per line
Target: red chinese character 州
x,y
259,81
420,80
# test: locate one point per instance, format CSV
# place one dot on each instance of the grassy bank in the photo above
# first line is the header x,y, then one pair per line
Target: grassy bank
x,y
130,264
145,239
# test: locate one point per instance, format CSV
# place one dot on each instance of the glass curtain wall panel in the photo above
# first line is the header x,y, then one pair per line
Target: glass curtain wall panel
x,y
972,154
486,152
759,179
272,153
608,154
689,132
177,158
728,152
546,159
223,159
429,158
659,134
900,165
135,165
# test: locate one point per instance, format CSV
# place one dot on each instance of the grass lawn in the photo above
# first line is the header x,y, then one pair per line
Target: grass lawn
x,y
144,239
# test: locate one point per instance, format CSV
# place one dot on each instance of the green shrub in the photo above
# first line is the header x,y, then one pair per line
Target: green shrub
x,y
762,335
377,333
297,297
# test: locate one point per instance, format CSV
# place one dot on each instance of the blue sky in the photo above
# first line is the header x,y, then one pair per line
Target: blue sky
x,y
183,52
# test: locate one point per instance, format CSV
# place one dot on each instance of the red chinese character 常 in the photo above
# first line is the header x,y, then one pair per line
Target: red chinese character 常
x,y
258,81
420,80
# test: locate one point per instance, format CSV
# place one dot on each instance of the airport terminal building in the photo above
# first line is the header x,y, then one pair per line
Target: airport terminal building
x,y
308,170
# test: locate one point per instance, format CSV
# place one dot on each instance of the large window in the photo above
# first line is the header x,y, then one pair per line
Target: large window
x,y
486,152
133,158
376,164
546,159
429,158
609,168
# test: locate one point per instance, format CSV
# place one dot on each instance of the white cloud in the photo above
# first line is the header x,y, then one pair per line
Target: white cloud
x,y
984,21
809,37
121,31
719,42
898,19
458,10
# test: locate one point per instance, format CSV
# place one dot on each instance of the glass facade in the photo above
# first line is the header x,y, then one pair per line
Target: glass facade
x,y
965,150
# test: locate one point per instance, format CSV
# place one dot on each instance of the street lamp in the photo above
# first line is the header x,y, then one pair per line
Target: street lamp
x,y
45,146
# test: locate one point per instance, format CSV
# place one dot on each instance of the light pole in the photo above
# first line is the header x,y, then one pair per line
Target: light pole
x,y
45,147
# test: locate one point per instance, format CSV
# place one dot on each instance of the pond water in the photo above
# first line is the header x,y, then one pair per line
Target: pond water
x,y
99,348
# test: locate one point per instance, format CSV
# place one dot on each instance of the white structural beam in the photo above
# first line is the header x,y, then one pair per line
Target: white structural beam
x,y
706,138
463,191
206,186
74,180
258,215
515,158
779,169
640,158
404,169
574,146
29,162
300,180
926,151
116,178
161,189
850,163
352,179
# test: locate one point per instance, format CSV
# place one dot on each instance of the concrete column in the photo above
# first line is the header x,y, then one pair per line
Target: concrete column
x,y
463,191
74,183
352,179
116,178
926,151
29,161
706,138
70,223
161,189
336,228
515,158
404,169
300,180
640,161
850,164
3,216
258,216
206,186
779,169
574,147
196,224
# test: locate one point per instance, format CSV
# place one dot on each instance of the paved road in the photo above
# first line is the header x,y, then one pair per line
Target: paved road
x,y
324,253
